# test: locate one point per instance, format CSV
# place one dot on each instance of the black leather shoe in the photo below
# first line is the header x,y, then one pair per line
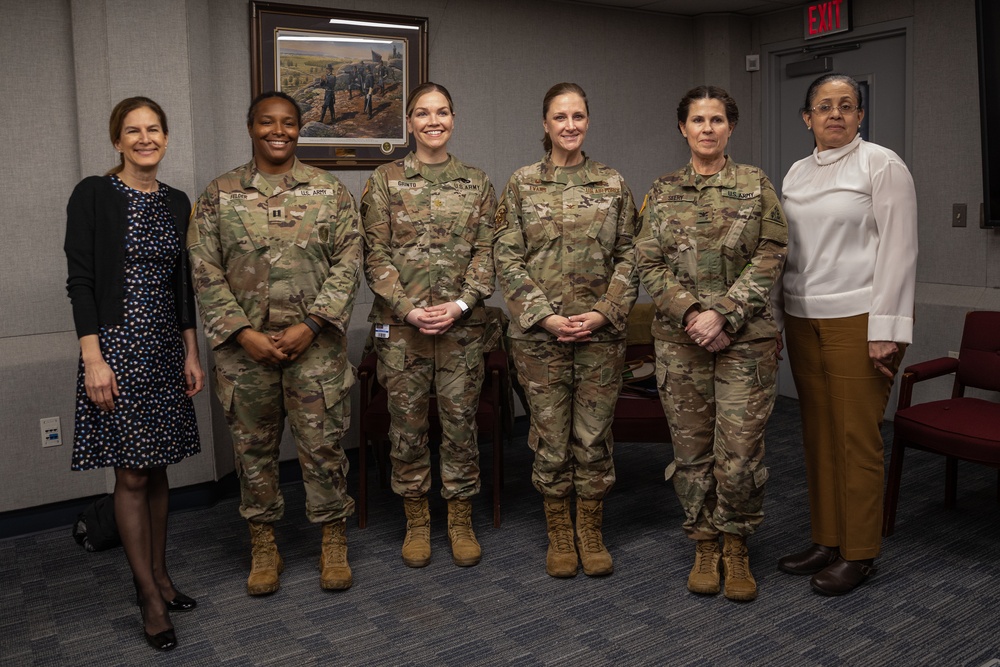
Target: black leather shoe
x,y
180,602
810,561
162,641
843,576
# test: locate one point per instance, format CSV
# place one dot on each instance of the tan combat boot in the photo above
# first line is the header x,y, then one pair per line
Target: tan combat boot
x,y
560,559
335,573
266,563
417,544
704,577
465,549
594,557
740,584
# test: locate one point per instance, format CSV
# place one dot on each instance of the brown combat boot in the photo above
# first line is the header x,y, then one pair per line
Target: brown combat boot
x,y
740,584
335,573
417,544
560,559
266,563
704,577
594,557
465,549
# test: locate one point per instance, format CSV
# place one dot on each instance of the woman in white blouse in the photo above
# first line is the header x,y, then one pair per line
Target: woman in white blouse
x,y
848,314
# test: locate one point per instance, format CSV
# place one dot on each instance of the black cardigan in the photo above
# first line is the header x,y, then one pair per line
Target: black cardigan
x,y
96,224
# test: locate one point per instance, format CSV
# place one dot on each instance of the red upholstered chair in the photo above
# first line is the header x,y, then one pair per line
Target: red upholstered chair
x,y
639,419
494,416
958,428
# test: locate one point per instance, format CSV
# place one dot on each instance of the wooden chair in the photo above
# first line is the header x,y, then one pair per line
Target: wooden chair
x,y
959,427
494,416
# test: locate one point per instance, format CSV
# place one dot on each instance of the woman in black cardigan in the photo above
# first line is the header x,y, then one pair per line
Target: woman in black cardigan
x,y
139,364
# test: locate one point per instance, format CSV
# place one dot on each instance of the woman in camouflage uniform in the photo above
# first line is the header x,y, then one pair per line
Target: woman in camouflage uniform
x,y
276,257
711,245
428,258
565,261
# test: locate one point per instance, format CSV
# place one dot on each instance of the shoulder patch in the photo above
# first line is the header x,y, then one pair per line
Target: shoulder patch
x,y
500,219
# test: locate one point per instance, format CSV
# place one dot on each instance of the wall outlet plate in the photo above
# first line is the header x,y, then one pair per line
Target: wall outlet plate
x,y
51,431
753,62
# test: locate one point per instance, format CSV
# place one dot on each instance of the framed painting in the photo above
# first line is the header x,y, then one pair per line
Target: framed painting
x,y
349,71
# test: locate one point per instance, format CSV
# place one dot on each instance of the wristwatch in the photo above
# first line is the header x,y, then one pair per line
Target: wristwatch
x,y
466,311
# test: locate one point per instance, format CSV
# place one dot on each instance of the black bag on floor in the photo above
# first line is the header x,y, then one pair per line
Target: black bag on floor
x,y
95,528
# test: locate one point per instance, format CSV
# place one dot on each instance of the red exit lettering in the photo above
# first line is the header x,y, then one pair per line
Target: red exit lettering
x,y
824,17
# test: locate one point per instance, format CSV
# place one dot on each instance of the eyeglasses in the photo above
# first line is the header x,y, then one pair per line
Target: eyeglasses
x,y
825,109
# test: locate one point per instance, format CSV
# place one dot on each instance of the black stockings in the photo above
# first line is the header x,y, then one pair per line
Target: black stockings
x,y
141,499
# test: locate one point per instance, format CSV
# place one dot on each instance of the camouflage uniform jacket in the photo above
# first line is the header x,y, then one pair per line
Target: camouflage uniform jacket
x,y
563,246
428,238
266,257
714,242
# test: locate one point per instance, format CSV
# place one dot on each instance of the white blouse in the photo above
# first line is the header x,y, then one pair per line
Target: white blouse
x,y
852,238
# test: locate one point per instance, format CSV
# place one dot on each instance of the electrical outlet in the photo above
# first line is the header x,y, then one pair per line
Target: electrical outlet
x,y
51,431
953,354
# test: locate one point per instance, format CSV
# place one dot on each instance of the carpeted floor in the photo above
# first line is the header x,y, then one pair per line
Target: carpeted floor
x,y
933,602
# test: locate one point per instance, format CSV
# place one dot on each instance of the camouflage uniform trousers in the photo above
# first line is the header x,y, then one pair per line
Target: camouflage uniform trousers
x,y
314,393
572,389
717,406
409,365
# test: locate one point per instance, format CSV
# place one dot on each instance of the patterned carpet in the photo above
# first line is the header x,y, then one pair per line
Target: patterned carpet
x,y
933,602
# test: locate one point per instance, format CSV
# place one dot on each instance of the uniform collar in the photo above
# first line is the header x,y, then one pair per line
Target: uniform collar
x,y
583,175
252,178
451,170
724,178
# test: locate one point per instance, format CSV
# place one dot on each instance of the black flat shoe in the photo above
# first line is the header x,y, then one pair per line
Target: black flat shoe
x,y
810,561
843,576
162,641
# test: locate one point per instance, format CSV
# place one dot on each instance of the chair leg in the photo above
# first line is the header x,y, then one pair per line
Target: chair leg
x,y
497,471
363,482
892,488
950,481
383,464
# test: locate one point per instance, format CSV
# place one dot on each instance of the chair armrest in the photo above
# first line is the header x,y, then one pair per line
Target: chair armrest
x,y
925,370
368,365
496,361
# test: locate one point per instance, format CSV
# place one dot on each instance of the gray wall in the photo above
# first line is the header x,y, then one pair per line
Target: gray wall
x,y
66,62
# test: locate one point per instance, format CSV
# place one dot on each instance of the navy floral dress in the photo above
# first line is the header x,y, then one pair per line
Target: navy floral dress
x,y
153,422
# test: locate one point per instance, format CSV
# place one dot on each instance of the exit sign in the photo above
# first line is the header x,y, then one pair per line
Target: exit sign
x,y
827,17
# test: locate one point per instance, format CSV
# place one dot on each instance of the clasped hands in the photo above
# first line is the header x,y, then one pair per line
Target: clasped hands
x,y
575,328
273,349
434,320
705,329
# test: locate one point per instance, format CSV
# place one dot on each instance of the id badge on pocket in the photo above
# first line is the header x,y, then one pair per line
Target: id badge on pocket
x,y
382,331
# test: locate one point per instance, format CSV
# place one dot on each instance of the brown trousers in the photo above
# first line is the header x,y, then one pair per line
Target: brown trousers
x,y
842,398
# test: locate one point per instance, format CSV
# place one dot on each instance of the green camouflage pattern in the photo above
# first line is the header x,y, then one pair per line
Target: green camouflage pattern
x,y
428,238
266,257
717,406
716,242
410,366
564,246
572,389
314,392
